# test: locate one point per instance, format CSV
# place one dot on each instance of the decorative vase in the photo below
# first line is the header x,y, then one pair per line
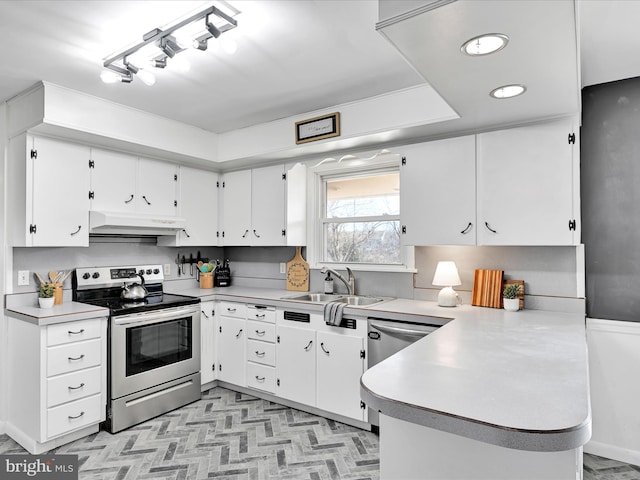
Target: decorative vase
x,y
46,302
512,304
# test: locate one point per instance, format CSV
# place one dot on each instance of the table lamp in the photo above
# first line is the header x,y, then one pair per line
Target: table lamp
x,y
447,276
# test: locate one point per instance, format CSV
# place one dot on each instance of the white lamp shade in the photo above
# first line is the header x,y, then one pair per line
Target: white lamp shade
x,y
446,275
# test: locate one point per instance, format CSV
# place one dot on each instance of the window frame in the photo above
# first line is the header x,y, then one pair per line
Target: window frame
x,y
317,201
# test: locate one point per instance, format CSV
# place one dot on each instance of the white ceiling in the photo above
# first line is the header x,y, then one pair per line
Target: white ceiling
x,y
293,57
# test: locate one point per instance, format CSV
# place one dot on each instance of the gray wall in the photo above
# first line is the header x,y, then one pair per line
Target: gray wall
x,y
610,185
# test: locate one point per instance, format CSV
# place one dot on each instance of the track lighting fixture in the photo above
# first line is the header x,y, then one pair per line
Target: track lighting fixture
x,y
165,45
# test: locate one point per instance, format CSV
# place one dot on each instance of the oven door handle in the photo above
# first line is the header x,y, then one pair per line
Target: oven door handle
x,y
154,316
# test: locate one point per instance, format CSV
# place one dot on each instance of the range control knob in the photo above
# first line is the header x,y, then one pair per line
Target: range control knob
x,y
86,275
96,275
140,272
156,271
149,271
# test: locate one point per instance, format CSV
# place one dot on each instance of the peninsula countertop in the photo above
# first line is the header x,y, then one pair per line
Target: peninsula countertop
x,y
513,379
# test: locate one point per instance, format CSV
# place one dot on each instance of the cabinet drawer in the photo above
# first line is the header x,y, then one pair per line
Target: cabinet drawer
x,y
262,314
261,377
73,331
261,352
230,309
73,386
73,356
74,415
261,331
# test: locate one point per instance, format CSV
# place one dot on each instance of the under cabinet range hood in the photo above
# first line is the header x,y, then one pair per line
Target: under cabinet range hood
x,y
115,223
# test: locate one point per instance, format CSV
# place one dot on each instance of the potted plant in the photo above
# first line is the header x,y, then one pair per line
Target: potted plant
x,y
511,300
46,295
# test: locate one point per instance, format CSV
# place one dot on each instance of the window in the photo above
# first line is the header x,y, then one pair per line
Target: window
x,y
360,217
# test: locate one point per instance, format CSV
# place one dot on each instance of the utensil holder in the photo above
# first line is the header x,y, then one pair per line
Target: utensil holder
x,y
206,280
57,294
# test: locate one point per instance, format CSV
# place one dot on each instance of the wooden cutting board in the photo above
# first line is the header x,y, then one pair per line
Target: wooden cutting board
x,y
520,293
298,273
487,288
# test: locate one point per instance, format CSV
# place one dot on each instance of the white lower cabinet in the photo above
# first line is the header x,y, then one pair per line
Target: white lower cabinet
x,y
207,350
56,381
232,334
296,352
340,364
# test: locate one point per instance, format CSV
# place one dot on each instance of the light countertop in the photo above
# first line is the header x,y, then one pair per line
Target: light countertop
x,y
66,312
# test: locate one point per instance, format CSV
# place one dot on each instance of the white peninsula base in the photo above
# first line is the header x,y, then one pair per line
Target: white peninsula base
x,y
410,451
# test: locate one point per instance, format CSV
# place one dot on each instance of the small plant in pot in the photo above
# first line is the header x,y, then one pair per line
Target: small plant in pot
x,y
511,300
46,295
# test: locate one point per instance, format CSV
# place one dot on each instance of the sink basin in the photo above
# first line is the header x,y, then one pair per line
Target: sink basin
x,y
357,300
360,300
316,297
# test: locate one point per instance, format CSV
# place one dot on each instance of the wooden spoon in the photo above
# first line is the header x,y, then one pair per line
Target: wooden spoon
x,y
53,276
40,279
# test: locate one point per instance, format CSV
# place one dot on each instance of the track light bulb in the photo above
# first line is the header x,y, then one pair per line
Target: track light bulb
x,y
200,44
158,63
110,77
213,30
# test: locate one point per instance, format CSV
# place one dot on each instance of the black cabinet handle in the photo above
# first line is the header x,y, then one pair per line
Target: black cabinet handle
x,y
76,333
76,388
77,416
239,333
260,333
145,199
466,230
130,199
260,379
245,234
185,232
256,234
77,231
324,349
486,224
76,358
308,345
205,315
259,354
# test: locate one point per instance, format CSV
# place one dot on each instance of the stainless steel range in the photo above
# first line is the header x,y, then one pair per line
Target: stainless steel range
x,y
154,341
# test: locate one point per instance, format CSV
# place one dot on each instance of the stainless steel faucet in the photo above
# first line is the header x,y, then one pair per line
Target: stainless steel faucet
x,y
350,284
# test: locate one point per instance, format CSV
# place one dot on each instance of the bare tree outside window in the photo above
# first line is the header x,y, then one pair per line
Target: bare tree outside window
x,y
362,219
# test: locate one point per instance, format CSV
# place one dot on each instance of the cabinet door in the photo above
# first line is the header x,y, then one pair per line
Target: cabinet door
x,y
340,367
525,185
198,205
296,364
207,358
60,192
236,208
268,205
113,181
157,187
438,193
232,333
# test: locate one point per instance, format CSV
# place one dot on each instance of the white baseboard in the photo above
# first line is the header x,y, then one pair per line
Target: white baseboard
x,y
613,452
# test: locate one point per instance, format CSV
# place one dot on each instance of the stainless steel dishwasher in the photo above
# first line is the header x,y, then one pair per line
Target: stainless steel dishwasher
x,y
386,337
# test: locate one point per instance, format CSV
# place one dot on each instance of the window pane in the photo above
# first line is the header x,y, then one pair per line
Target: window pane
x,y
362,242
372,195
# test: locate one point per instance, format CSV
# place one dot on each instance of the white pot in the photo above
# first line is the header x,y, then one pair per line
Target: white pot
x,y
46,302
512,304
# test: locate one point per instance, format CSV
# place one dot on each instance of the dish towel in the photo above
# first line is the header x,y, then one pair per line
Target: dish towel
x,y
333,313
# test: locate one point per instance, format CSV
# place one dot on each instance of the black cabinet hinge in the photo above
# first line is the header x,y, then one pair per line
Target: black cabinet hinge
x,y
92,164
278,339
223,184
572,225
218,234
363,405
32,228
404,229
284,176
404,160
34,154
175,203
362,354
217,184
278,382
220,328
213,367
572,138
91,195
219,367
223,234
284,233
175,177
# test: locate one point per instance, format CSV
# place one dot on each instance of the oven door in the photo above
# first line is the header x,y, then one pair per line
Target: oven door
x,y
151,348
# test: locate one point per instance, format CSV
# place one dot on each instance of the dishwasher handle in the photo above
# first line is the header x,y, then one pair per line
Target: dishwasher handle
x,y
401,331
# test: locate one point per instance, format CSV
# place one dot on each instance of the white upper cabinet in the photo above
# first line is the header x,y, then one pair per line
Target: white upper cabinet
x,y
198,205
527,179
236,208
47,192
438,192
264,206
126,184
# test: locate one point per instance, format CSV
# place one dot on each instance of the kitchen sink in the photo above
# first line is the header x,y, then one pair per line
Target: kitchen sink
x,y
356,300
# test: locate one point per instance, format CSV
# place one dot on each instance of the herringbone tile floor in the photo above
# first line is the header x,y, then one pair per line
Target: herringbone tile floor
x,y
228,435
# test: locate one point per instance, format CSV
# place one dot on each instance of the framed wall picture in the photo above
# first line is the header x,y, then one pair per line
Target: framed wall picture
x,y
318,128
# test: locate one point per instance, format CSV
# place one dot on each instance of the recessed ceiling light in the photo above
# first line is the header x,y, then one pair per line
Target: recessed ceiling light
x,y
508,91
485,44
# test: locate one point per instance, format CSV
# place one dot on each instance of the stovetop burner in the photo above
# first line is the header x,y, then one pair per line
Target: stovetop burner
x,y
102,286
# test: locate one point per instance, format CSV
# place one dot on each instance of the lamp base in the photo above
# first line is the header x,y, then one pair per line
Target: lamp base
x,y
447,297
